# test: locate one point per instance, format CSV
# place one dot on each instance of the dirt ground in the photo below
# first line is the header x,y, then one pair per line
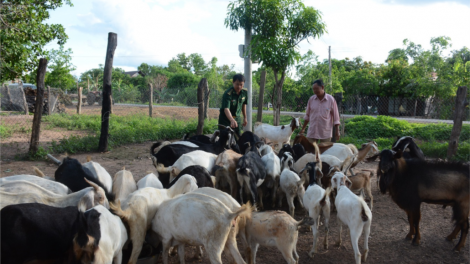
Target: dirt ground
x,y
389,224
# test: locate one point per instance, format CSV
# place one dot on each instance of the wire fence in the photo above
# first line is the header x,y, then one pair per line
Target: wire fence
x,y
174,103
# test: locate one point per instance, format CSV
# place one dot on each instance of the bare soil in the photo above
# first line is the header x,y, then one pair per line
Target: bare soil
x,y
387,242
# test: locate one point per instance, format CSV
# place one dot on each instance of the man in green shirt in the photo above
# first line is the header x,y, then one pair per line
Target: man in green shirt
x,y
234,103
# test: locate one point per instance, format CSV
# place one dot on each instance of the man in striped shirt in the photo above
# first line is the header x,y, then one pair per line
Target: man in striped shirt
x,y
322,114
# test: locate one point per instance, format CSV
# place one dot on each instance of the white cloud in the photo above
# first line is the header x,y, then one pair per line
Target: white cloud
x,y
155,31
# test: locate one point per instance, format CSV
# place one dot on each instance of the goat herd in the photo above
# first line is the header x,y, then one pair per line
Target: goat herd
x,y
208,192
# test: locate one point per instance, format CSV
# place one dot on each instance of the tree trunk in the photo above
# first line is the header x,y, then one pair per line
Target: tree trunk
x,y
278,93
151,100
259,116
458,118
79,104
207,92
33,148
200,101
49,105
106,107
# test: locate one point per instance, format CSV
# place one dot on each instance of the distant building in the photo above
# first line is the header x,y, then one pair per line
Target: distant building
x,y
133,74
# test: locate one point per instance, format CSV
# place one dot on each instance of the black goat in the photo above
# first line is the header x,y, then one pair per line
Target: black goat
x,y
247,137
203,178
201,138
413,181
250,170
43,233
287,148
299,151
72,174
405,143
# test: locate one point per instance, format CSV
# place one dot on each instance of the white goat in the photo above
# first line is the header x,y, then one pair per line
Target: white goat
x,y
85,198
354,212
277,134
123,184
273,228
273,172
113,236
186,143
290,183
317,200
343,152
21,186
190,219
150,180
141,206
53,186
100,173
197,157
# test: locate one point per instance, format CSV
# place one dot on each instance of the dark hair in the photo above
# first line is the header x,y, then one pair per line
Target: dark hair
x,y
319,82
239,77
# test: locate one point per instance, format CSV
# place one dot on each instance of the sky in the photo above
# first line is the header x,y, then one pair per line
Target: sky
x,y
155,31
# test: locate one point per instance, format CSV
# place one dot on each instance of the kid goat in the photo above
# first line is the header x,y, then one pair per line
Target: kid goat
x,y
277,134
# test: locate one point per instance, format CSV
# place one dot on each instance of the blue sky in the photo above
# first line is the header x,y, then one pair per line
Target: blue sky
x,y
154,31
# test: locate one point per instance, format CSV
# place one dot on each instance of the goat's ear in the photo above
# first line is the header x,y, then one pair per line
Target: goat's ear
x,y
319,174
347,182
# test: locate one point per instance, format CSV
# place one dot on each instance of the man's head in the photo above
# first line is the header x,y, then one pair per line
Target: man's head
x,y
238,82
318,88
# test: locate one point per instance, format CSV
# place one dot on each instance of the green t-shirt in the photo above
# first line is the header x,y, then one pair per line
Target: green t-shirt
x,y
234,103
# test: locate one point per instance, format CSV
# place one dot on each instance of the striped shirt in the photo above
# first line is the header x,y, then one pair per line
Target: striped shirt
x,y
321,115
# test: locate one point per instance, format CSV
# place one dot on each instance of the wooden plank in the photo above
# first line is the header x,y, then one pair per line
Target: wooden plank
x,y
41,74
200,101
106,107
458,118
79,103
259,116
151,100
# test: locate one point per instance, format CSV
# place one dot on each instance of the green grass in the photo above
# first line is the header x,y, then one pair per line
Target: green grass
x,y
122,130
5,131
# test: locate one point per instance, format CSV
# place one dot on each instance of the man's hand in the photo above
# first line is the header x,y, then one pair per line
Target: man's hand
x,y
233,123
337,134
245,122
301,132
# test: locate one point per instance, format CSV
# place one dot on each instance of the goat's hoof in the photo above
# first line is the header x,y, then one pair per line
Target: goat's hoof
x,y
311,254
457,248
409,237
450,238
325,246
338,244
415,243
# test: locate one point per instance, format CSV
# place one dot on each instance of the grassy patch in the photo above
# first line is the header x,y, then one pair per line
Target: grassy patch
x,y
5,131
122,130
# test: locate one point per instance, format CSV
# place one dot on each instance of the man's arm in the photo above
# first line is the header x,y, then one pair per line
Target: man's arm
x,y
336,121
244,115
303,127
306,117
233,123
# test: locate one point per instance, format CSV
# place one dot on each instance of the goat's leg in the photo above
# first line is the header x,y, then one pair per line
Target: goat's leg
x,y
198,253
416,218
355,232
253,250
454,233
369,193
464,225
260,197
287,254
290,202
410,234
280,197
366,239
276,186
326,216
118,259
315,238
351,171
181,252
166,247
137,236
338,243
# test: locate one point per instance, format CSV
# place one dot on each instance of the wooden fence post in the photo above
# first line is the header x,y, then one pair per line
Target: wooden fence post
x,y
200,101
259,116
207,93
79,105
49,110
33,148
106,107
458,118
25,103
151,100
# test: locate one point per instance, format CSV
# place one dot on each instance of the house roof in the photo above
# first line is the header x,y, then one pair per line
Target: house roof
x,y
134,73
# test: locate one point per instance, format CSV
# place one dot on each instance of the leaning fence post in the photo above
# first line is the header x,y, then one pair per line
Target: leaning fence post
x,y
458,118
200,101
207,93
259,116
106,107
49,110
151,100
33,148
79,105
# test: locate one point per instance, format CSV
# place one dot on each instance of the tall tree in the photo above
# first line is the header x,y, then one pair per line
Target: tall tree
x,y
24,35
60,68
278,26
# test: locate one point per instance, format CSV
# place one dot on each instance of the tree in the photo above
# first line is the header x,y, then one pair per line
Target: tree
x,y
59,69
24,35
279,26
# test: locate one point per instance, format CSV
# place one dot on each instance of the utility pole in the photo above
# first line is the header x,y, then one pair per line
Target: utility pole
x,y
247,50
330,81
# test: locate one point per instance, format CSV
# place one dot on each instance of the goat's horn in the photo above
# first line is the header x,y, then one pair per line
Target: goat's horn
x,y
94,185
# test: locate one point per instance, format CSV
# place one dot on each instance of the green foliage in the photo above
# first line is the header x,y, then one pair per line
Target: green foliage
x,y
39,155
59,67
24,34
123,130
5,131
183,79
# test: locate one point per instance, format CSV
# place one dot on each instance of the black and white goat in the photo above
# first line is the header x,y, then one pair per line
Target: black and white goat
x,y
247,137
250,171
413,181
408,147
202,175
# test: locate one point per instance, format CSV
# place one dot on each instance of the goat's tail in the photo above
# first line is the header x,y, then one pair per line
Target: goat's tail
x,y
88,158
244,210
363,214
307,221
116,209
38,172
162,169
155,148
327,194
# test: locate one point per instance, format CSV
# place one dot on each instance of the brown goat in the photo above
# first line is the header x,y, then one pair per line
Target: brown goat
x,y
309,148
361,181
